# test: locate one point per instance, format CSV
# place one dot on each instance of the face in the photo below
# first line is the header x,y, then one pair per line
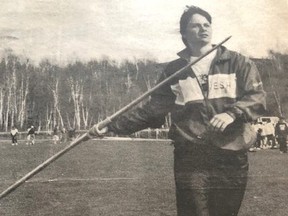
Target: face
x,y
198,30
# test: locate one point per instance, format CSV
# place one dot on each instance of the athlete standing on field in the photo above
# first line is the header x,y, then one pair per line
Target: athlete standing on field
x,y
31,136
55,134
281,132
14,133
211,106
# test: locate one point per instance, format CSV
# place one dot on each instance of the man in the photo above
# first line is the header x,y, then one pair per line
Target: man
x,y
14,133
63,135
71,134
264,144
259,139
281,132
211,106
31,136
55,135
270,134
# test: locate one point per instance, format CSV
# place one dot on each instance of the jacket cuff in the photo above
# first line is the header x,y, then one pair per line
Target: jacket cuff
x,y
235,113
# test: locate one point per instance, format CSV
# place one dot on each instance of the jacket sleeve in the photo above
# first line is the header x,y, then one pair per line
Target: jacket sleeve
x,y
251,97
151,114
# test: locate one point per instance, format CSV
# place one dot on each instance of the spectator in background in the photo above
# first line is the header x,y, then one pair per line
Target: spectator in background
x,y
31,136
55,134
63,135
259,139
71,134
14,133
263,135
281,132
258,131
270,134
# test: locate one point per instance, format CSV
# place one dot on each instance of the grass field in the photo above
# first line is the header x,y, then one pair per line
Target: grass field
x,y
113,178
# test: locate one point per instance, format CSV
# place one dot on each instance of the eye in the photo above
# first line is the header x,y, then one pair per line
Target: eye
x,y
207,25
192,26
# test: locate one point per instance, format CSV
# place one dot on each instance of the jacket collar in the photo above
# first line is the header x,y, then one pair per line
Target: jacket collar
x,y
222,54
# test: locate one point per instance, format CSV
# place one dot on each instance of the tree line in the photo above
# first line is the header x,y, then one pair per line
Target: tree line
x,y
81,94
274,73
77,95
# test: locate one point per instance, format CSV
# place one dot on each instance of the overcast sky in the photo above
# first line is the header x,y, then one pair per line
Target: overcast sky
x,y
62,30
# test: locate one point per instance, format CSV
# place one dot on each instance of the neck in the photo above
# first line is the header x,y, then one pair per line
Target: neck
x,y
198,50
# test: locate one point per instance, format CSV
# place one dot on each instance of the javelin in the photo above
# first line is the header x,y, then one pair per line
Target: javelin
x,y
104,123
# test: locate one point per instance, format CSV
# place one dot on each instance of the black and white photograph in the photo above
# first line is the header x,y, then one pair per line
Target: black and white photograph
x,y
143,108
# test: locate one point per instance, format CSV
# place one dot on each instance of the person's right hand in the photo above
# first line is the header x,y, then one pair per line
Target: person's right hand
x,y
220,121
96,132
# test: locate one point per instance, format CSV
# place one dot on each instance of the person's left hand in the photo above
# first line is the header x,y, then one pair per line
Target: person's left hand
x,y
96,132
220,121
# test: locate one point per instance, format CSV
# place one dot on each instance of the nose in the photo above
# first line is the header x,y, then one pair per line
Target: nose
x,y
203,28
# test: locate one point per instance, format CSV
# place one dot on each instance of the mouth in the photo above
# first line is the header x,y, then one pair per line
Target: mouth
x,y
204,35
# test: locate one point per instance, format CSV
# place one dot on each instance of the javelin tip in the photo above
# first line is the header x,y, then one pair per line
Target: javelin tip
x,y
228,37
224,41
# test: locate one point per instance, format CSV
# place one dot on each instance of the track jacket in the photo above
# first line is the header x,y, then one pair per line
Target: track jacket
x,y
234,87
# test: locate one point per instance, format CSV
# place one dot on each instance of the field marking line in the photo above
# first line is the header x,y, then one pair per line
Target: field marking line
x,y
78,179
104,139
131,139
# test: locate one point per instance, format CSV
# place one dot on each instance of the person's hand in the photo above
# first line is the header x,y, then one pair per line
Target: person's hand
x,y
96,132
220,121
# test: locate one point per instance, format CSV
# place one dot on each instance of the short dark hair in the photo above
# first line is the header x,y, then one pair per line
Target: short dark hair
x,y
186,16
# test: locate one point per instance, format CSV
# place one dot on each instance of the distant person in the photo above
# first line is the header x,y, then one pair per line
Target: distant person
x,y
63,135
270,134
264,144
31,135
55,134
259,139
14,133
71,134
281,132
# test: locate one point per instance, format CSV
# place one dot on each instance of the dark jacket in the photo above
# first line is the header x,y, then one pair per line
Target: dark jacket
x,y
31,131
235,87
281,130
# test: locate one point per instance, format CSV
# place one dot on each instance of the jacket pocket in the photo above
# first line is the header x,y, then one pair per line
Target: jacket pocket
x,y
237,137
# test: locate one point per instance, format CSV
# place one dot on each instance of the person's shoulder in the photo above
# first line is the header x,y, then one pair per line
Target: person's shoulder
x,y
175,65
179,62
239,57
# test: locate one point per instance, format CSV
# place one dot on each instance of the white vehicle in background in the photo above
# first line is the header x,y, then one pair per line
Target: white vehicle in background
x,y
266,119
262,121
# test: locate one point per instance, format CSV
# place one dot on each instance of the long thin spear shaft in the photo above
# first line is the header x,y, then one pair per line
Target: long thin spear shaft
x,y
103,124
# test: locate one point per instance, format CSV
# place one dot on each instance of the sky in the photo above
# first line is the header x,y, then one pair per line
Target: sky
x,y
68,30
